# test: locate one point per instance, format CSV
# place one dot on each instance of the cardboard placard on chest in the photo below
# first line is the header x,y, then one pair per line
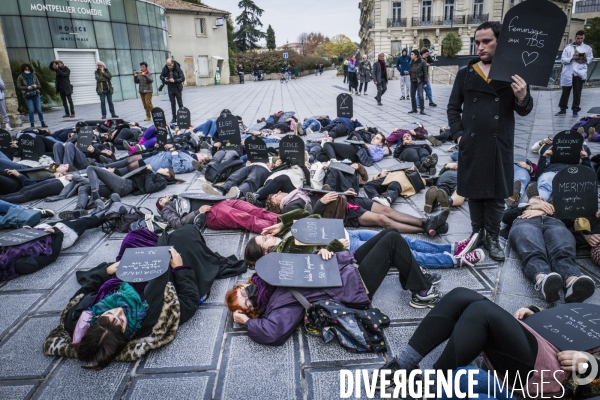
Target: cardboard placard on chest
x,y
299,270
144,263
575,193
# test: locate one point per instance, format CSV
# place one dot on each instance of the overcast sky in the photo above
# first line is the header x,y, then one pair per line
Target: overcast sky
x,y
291,18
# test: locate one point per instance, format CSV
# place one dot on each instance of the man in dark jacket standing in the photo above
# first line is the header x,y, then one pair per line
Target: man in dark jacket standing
x,y
482,122
419,75
428,60
403,66
173,77
380,78
63,86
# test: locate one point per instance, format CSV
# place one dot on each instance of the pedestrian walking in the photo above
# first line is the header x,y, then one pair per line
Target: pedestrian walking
x,y
427,87
63,86
3,111
105,90
320,69
29,84
482,122
364,74
296,72
345,70
240,71
419,75
317,71
352,75
403,66
575,58
144,79
380,78
173,77
256,72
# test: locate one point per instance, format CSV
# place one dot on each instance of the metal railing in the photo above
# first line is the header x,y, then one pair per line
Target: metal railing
x,y
477,18
446,77
439,21
593,73
396,23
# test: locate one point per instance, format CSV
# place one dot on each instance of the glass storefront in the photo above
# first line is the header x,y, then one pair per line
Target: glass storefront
x,y
121,33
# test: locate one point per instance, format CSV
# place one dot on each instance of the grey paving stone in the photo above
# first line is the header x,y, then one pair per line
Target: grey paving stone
x,y
397,337
46,278
513,281
60,296
13,306
70,381
218,290
512,303
318,352
106,251
394,302
59,205
17,390
21,355
196,346
225,245
172,386
322,383
460,277
86,242
278,376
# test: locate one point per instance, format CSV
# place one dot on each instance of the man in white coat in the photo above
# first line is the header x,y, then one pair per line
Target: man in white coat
x,y
575,58
3,106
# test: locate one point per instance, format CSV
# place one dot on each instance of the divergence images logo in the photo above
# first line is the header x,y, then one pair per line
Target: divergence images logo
x,y
584,368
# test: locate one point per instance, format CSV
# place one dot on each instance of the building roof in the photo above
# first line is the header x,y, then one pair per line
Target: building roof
x,y
180,5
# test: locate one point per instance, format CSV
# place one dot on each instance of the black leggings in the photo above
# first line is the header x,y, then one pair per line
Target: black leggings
x,y
375,187
384,250
444,136
51,187
486,213
9,184
336,129
414,154
341,151
282,183
125,134
80,225
473,324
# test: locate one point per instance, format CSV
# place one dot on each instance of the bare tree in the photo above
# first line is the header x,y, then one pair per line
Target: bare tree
x,y
303,41
315,39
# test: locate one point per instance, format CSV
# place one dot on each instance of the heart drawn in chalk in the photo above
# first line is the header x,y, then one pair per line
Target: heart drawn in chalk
x,y
528,57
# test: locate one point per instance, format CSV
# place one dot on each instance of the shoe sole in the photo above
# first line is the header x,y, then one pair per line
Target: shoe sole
x,y
551,289
430,196
516,194
212,190
421,306
581,291
442,199
434,141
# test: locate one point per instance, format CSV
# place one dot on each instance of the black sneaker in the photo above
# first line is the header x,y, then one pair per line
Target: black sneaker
x,y
430,199
252,198
431,224
45,212
432,297
549,285
492,245
443,229
391,365
432,105
430,161
105,159
579,289
71,214
200,220
423,113
413,112
433,277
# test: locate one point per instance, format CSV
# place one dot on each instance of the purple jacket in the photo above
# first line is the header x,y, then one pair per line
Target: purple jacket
x,y
283,312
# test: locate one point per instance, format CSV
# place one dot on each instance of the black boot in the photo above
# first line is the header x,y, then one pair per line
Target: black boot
x,y
492,245
44,125
480,238
431,224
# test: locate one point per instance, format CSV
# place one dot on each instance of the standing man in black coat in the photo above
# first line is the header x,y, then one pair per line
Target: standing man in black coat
x,y
482,122
380,78
63,86
173,77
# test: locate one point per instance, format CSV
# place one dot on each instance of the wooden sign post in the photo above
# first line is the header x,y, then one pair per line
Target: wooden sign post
x,y
143,264
575,193
299,270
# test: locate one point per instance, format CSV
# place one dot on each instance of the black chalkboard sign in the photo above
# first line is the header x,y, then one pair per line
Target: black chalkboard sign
x,y
85,137
574,326
566,148
184,118
291,150
28,148
299,270
345,106
158,116
256,149
228,129
318,231
20,236
340,166
143,264
162,136
575,193
531,34
5,140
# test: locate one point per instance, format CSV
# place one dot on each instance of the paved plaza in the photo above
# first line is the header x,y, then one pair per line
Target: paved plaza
x,y
212,357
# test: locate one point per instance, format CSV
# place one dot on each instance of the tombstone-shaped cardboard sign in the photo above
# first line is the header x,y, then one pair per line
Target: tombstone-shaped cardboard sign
x,y
256,149
566,148
575,193
20,236
299,270
291,150
162,136
184,118
228,129
399,167
531,34
28,148
158,117
345,106
318,231
340,166
143,264
573,326
5,139
85,137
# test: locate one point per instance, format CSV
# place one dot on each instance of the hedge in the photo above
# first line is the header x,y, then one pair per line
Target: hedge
x,y
270,61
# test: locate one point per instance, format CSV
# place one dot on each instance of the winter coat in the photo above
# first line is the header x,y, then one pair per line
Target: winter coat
x,y
104,76
351,67
170,214
178,76
378,74
283,312
401,147
63,81
22,84
364,71
31,256
348,123
145,181
403,63
482,114
422,70
145,81
571,67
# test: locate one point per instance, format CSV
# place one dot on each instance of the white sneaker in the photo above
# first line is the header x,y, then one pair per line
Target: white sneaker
x,y
309,131
209,189
453,148
234,192
381,200
7,127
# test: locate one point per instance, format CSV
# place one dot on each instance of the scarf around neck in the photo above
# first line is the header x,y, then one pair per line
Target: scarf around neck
x,y
293,195
133,307
28,78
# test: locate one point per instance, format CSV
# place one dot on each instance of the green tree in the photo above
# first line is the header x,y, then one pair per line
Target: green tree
x,y
248,33
592,35
338,46
271,44
231,47
451,45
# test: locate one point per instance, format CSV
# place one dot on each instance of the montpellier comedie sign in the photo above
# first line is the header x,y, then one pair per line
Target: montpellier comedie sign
x,y
72,9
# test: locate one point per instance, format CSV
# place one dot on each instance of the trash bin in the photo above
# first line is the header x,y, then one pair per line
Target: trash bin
x,y
217,77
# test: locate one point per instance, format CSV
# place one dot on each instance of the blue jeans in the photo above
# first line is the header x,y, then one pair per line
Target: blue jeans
x,y
481,387
106,95
265,139
313,124
6,163
209,128
544,184
5,206
34,104
68,153
359,237
521,174
427,90
431,255
454,156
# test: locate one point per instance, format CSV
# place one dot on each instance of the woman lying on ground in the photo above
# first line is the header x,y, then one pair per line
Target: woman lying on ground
x,y
109,319
358,211
421,154
276,239
271,314
376,150
13,180
286,180
180,161
474,325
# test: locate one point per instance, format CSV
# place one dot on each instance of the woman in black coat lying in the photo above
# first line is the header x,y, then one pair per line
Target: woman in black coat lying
x,y
420,154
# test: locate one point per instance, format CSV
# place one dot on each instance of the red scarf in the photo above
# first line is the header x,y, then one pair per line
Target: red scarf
x,y
383,67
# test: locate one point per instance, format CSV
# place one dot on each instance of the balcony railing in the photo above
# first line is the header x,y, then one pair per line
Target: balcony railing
x,y
477,18
396,23
457,20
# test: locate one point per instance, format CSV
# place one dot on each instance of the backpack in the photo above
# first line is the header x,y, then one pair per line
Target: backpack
x,y
120,216
220,172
